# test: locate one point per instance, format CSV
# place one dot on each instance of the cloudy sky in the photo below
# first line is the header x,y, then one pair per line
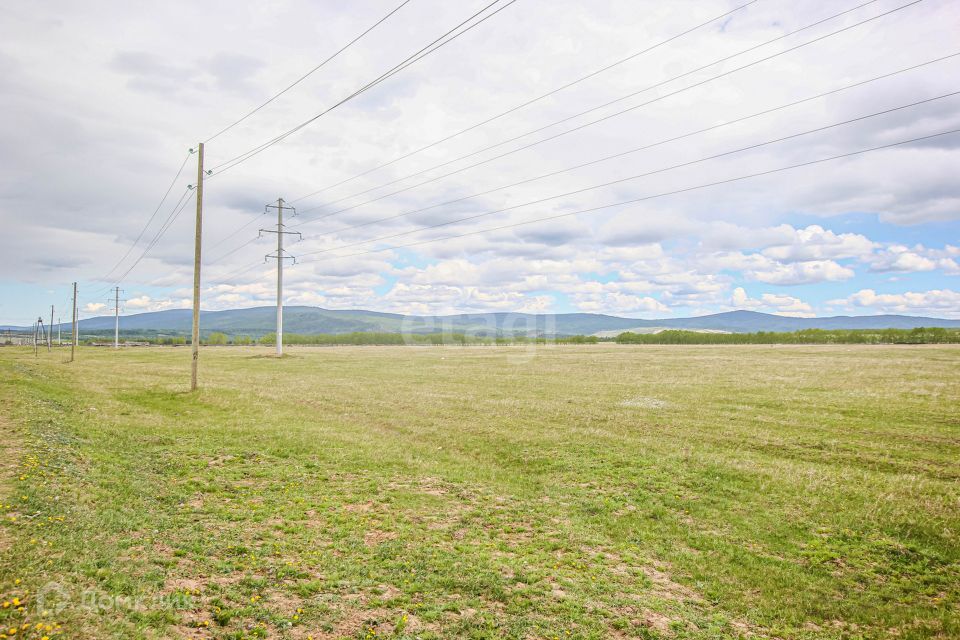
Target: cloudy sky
x,y
627,193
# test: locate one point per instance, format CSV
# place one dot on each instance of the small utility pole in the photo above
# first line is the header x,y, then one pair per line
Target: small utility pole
x,y
59,326
50,331
116,317
280,258
197,244
73,341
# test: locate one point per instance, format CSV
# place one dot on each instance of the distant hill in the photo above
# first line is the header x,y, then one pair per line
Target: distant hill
x,y
258,321
752,321
255,321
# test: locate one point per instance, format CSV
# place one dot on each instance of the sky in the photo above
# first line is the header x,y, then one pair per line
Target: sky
x,y
775,157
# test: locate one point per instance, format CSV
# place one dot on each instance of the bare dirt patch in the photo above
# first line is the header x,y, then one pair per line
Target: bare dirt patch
x,y
665,587
427,485
374,537
189,631
351,623
362,507
184,585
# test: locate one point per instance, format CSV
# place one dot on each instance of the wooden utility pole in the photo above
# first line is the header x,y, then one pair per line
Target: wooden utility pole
x,y
73,341
50,331
197,244
280,206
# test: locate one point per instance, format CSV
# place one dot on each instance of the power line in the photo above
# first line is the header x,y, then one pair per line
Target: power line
x,y
633,150
233,234
152,216
611,205
396,68
236,273
369,85
414,58
642,199
311,72
623,153
641,175
532,101
604,118
232,252
822,37
171,218
233,274
244,117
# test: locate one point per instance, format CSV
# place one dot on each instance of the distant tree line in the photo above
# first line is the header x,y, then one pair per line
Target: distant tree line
x,y
384,338
922,335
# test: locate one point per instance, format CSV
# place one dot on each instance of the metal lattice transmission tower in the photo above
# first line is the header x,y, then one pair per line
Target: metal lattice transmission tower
x,y
39,336
280,256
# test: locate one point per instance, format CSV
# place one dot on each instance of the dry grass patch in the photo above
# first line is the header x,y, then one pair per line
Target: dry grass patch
x,y
782,492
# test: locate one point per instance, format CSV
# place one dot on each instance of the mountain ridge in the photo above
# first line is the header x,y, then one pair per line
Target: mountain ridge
x,y
257,321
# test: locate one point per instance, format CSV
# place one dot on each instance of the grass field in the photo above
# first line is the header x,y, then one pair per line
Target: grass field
x,y
605,491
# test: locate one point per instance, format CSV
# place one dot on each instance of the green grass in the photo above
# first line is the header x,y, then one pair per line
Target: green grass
x,y
594,491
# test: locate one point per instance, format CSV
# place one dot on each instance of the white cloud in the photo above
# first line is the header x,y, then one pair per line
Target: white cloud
x,y
444,299
621,297
145,303
140,302
817,243
941,302
93,169
802,273
773,303
902,259
761,268
618,303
